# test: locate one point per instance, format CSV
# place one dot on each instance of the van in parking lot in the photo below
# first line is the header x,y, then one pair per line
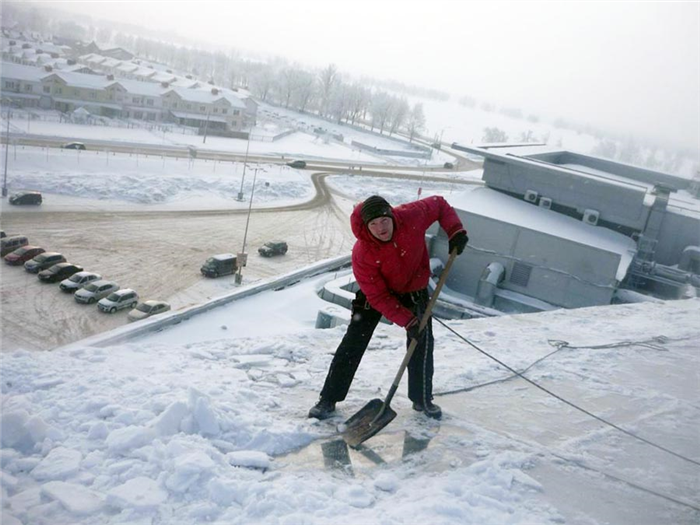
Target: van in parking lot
x,y
10,244
222,264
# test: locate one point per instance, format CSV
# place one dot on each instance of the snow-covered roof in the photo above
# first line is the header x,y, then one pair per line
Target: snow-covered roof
x,y
495,205
22,72
163,77
128,67
137,87
83,80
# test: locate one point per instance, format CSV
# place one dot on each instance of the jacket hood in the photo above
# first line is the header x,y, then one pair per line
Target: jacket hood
x,y
359,228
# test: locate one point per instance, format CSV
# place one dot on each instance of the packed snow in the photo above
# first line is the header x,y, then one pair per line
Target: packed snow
x,y
206,422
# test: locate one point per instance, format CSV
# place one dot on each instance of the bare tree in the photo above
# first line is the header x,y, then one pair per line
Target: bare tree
x,y
382,106
398,115
416,121
305,90
327,81
359,101
262,83
493,135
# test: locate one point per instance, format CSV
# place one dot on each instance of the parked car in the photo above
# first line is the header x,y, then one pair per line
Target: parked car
x,y
94,291
43,261
222,264
10,244
2,234
448,166
126,298
78,280
273,248
22,255
147,309
299,164
26,197
73,145
58,272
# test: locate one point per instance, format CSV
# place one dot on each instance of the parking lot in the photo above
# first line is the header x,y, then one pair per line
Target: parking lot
x,y
158,254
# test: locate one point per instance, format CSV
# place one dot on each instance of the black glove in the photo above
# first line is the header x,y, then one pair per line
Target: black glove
x,y
413,328
458,242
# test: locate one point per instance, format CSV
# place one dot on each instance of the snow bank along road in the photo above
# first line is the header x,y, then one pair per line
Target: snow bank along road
x,y
158,254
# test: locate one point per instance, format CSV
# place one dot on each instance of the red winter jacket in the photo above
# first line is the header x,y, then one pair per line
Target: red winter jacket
x,y
401,265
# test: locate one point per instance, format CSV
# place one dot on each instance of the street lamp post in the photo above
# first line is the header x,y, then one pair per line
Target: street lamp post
x,y
239,277
245,163
7,150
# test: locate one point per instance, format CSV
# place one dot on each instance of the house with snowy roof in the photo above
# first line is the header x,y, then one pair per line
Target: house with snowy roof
x,y
218,111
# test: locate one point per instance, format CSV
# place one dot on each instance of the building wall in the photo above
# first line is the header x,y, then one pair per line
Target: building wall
x,y
561,272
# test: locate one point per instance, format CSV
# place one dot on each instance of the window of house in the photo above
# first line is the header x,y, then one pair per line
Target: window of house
x,y
28,88
47,89
138,114
149,102
224,111
93,95
189,106
59,90
76,92
136,100
234,123
216,110
236,112
202,109
9,84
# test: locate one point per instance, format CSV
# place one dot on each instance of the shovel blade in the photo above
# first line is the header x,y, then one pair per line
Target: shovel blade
x,y
365,423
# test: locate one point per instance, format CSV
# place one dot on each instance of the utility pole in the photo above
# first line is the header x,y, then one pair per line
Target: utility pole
x,y
206,127
245,163
239,277
7,149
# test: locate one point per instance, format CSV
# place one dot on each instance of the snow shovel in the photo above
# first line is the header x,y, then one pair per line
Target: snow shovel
x,y
377,414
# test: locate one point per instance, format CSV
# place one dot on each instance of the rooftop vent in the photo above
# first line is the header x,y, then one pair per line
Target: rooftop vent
x,y
531,196
165,84
591,217
110,77
48,68
546,203
520,275
214,91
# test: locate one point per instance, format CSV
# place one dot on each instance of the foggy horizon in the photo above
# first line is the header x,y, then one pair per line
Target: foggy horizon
x,y
628,68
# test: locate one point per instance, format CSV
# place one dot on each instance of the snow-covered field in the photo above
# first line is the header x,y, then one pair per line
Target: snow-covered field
x,y
206,423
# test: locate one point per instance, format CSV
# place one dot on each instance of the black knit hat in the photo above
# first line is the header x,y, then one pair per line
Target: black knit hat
x,y
375,206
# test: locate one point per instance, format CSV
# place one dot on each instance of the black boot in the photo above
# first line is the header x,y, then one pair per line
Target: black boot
x,y
323,409
429,409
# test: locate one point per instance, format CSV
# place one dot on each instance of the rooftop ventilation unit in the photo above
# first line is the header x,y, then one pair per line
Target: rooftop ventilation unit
x,y
546,203
591,217
531,196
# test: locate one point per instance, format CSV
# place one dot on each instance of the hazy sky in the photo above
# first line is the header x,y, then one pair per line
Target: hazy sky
x,y
632,66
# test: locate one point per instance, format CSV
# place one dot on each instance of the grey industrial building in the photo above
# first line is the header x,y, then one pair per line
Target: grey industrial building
x,y
557,229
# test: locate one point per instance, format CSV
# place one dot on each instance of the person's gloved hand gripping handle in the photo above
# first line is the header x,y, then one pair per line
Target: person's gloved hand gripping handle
x,y
458,242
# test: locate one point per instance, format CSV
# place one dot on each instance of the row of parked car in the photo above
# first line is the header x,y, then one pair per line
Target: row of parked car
x,y
87,287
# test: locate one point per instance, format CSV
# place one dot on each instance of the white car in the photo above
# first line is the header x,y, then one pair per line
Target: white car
x,y
147,309
126,298
78,280
94,291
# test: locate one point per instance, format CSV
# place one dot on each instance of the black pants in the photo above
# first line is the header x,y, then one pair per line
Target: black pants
x,y
351,349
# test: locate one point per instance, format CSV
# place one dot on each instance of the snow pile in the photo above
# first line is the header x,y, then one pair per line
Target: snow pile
x,y
206,430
